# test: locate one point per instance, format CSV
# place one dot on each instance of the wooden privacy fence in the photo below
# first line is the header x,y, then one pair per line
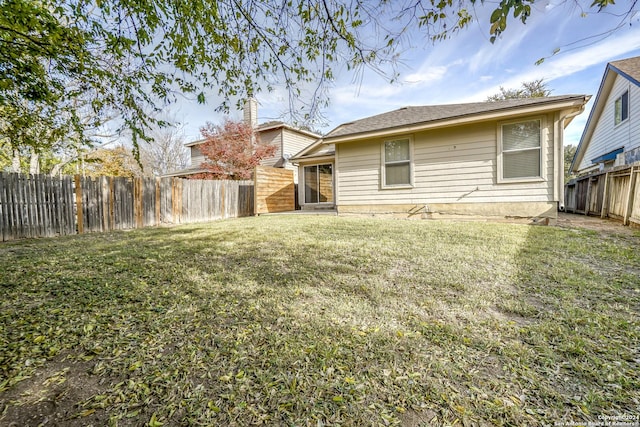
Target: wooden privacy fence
x,y
274,190
42,206
611,194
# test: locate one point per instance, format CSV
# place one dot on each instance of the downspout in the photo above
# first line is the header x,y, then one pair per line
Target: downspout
x,y
560,155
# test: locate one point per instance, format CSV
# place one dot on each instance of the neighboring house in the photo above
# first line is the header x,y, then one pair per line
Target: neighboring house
x,y
612,134
501,158
287,139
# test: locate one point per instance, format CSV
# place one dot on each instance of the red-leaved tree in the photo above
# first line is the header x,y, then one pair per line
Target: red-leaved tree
x,y
232,150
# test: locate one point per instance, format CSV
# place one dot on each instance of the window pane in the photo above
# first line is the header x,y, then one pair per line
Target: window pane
x,y
518,136
311,184
618,111
325,181
397,174
396,150
521,164
625,105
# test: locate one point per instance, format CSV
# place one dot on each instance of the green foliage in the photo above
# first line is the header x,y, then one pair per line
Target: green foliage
x,y
533,89
71,65
118,161
521,9
569,153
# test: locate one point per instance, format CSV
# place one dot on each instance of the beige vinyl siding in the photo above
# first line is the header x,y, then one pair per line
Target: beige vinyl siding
x,y
274,137
294,142
606,135
454,165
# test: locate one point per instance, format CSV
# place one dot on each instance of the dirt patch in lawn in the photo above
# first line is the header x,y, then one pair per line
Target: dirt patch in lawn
x,y
604,226
51,397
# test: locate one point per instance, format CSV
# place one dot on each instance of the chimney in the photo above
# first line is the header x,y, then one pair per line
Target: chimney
x,y
251,112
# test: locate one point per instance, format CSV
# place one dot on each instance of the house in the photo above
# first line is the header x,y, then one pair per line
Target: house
x,y
287,139
612,134
502,159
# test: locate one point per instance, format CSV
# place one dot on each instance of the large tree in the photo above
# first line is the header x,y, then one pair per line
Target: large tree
x,y
165,152
232,150
533,89
117,161
63,59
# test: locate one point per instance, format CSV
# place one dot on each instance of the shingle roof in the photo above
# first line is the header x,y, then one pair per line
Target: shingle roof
x,y
271,124
629,66
278,124
406,116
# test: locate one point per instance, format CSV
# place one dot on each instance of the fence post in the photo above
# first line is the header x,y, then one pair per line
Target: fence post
x,y
605,198
630,197
587,204
78,182
137,202
158,201
3,209
176,200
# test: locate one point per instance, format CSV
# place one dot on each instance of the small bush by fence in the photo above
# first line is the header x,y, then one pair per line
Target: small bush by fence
x,y
611,194
43,206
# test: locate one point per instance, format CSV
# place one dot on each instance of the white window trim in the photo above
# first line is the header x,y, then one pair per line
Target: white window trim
x,y
543,146
383,177
628,108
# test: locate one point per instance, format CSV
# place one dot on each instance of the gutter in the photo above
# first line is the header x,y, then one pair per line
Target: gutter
x,y
560,154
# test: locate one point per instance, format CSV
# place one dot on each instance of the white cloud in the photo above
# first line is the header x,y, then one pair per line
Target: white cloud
x,y
427,76
565,65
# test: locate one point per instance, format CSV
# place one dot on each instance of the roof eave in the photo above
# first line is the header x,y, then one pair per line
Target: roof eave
x,y
307,149
184,172
573,102
625,75
314,158
193,143
289,127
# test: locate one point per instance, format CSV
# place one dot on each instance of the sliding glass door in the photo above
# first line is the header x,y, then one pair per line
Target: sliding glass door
x,y
318,183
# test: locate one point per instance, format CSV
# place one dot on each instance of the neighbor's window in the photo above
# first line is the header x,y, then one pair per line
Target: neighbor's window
x,y
622,108
397,163
521,146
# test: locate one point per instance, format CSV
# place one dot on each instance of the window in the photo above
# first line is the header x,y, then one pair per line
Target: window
x,y
520,148
622,108
397,163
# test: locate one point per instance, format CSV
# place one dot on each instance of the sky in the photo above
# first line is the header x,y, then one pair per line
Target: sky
x,y
468,68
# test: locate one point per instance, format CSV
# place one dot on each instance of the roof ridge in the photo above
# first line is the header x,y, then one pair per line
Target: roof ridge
x,y
411,115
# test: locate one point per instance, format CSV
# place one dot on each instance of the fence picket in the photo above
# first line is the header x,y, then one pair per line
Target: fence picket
x,y
45,206
616,197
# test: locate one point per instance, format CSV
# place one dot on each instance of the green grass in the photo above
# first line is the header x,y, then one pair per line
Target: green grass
x,y
296,320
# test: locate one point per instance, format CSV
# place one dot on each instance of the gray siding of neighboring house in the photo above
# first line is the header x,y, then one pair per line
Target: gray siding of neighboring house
x,y
197,158
606,135
273,137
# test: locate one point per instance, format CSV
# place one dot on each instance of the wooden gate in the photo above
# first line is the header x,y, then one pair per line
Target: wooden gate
x,y
274,190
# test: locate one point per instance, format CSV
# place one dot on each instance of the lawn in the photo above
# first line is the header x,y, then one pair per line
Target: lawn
x,y
313,320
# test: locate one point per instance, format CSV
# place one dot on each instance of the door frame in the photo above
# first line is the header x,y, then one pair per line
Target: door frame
x,y
302,181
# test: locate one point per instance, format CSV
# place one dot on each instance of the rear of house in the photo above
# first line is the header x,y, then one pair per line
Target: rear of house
x,y
501,159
